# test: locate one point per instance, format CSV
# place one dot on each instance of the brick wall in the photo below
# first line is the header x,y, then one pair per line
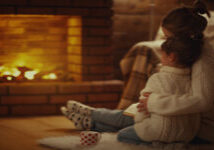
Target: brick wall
x,y
46,98
88,50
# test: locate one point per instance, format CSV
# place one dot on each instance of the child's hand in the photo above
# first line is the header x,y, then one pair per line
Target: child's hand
x,y
142,106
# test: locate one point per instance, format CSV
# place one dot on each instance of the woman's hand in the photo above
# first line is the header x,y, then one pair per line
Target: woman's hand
x,y
142,106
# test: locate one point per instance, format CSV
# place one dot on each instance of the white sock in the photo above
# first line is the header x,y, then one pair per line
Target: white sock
x,y
78,107
77,120
65,111
86,122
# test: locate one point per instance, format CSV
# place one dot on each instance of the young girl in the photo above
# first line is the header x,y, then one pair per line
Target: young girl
x,y
178,54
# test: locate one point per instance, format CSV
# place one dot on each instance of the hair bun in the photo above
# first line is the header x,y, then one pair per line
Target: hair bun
x,y
198,36
201,8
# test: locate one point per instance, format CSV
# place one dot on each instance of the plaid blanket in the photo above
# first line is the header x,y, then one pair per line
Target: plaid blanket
x,y
138,64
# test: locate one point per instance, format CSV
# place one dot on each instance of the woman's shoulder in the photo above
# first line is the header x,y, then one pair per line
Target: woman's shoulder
x,y
209,45
208,51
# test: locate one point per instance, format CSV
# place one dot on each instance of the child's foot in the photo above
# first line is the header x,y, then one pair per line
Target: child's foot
x,y
65,111
87,122
77,120
80,121
77,107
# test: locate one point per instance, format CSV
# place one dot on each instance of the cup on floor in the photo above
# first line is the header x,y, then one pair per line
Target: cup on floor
x,y
88,138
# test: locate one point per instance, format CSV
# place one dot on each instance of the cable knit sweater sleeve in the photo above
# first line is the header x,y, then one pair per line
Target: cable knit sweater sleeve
x,y
199,100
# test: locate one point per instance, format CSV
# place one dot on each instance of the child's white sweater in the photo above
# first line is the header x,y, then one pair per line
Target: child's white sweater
x,y
169,80
201,99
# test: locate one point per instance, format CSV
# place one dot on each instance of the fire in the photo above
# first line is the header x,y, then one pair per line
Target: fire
x,y
9,71
23,73
9,78
51,76
30,74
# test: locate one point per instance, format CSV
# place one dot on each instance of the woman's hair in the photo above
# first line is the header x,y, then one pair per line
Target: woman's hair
x,y
187,21
187,50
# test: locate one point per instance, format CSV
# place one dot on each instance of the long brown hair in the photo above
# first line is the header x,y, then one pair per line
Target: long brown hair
x,y
187,21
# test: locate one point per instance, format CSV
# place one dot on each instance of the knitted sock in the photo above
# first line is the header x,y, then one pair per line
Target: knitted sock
x,y
87,122
77,120
81,122
78,107
65,111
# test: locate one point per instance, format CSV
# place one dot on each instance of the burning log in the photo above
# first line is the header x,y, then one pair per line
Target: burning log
x,y
7,78
20,74
23,70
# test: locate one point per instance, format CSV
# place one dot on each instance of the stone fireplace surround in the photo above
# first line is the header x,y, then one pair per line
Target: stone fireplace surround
x,y
94,62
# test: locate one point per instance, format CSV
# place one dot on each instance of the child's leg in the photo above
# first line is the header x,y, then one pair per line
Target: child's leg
x,y
96,119
100,119
113,118
101,127
128,135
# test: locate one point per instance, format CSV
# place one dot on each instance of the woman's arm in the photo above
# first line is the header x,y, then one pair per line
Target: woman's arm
x,y
201,98
176,104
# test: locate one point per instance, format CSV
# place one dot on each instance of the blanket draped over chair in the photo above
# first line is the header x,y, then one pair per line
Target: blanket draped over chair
x,y
137,65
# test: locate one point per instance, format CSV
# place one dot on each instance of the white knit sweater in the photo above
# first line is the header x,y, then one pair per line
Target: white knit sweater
x,y
201,99
169,80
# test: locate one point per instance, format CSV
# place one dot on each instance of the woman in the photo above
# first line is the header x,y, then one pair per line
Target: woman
x,y
202,98
114,120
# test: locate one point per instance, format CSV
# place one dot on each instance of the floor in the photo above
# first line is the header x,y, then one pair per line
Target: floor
x,y
22,133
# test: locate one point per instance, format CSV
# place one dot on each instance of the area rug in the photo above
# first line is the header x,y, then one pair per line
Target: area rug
x,y
107,142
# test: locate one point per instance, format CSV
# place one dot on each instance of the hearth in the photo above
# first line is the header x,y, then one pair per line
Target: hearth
x,y
37,47
64,40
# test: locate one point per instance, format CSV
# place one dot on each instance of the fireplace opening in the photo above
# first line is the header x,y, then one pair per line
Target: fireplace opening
x,y
38,47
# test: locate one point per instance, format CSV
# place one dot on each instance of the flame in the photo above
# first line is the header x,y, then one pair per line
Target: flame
x,y
9,71
9,78
30,74
51,76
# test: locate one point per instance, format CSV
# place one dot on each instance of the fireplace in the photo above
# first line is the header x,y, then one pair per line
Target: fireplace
x,y
62,40
52,51
39,47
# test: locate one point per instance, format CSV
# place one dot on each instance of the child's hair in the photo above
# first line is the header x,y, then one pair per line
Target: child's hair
x,y
187,50
187,21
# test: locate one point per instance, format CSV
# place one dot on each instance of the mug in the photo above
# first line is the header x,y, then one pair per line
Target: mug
x,y
88,138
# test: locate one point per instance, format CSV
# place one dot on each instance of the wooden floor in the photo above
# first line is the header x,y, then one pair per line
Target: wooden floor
x,y
22,133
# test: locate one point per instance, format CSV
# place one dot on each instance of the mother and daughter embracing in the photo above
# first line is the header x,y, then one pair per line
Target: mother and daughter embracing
x,y
176,105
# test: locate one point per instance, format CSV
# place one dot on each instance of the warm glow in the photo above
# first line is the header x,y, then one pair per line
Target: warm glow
x,y
75,21
9,78
30,74
43,42
51,76
22,60
74,40
9,71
